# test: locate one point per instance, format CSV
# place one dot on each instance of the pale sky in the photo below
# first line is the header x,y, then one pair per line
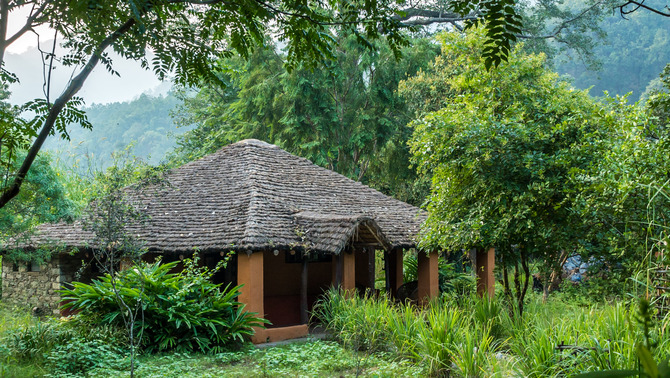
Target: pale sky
x,y
23,59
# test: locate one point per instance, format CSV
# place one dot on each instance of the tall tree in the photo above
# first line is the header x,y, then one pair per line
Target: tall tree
x,y
522,162
346,116
45,200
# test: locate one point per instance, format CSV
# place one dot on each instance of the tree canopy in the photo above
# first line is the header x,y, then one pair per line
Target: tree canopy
x,y
346,116
523,162
187,36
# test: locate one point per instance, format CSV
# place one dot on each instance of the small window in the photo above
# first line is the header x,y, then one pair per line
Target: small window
x,y
33,267
15,267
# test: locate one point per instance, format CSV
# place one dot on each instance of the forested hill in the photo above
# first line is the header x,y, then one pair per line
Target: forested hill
x,y
145,122
633,54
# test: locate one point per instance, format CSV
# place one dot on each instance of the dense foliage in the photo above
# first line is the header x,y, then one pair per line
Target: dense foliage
x,y
523,162
472,337
45,201
658,103
346,116
33,347
180,311
634,51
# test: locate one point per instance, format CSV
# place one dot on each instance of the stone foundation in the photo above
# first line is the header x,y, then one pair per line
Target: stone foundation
x,y
28,285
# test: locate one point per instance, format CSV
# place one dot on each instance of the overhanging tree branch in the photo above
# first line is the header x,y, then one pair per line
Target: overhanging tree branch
x,y
640,4
58,105
31,21
562,25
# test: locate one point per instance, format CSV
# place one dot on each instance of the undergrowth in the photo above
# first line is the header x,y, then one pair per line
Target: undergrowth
x,y
476,337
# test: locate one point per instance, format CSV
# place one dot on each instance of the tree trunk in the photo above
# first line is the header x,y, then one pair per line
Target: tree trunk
x,y
553,280
4,19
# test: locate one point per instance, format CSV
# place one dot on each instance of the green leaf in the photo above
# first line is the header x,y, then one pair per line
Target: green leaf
x,y
647,361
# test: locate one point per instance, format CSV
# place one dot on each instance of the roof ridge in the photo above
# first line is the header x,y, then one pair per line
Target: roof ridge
x,y
253,147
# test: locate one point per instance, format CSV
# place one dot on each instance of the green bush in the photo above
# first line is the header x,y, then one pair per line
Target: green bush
x,y
180,311
33,342
79,356
428,336
58,347
357,321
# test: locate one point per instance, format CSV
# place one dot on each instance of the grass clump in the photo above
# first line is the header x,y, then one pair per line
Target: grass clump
x,y
474,337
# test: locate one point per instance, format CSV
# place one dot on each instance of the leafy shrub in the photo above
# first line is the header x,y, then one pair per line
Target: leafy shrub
x,y
33,342
79,356
357,321
59,347
487,312
181,311
379,325
436,340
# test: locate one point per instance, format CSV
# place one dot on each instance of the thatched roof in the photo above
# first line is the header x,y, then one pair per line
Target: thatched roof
x,y
252,196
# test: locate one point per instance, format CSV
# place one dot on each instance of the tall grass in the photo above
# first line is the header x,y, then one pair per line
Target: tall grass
x,y
14,320
479,337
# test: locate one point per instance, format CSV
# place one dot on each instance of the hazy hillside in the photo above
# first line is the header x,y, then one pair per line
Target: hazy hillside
x,y
145,122
634,53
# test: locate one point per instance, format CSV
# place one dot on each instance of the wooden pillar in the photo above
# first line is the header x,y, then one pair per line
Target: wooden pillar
x,y
348,261
399,268
395,270
485,279
250,275
429,285
304,315
387,273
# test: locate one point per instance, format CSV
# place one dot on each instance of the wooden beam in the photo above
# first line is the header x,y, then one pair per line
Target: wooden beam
x,y
250,274
379,240
387,272
371,269
348,271
394,266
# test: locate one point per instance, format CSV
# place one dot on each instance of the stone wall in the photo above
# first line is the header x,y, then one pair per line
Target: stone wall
x,y
34,289
26,285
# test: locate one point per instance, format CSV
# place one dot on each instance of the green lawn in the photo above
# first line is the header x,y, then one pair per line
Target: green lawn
x,y
24,357
306,359
310,359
